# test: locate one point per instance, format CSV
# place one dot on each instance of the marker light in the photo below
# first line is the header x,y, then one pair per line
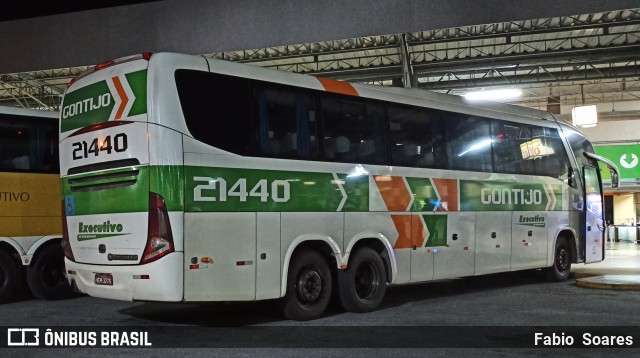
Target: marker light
x,y
103,65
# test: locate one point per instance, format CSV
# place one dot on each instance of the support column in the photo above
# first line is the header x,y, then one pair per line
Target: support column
x,y
408,78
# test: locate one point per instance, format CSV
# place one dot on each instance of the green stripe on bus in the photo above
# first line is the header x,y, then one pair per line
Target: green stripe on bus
x,y
168,181
229,189
501,196
437,227
424,194
90,199
210,189
138,83
356,188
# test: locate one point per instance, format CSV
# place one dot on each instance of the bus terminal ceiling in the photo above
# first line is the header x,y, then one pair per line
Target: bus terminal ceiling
x,y
195,26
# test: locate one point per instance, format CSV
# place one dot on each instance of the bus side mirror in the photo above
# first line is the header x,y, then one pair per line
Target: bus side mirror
x,y
615,180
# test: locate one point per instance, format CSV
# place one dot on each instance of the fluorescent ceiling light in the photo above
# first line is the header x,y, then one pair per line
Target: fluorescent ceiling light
x,y
492,95
585,116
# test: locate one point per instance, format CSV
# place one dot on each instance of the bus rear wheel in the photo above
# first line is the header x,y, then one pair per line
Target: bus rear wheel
x,y
308,286
561,267
9,275
45,275
362,286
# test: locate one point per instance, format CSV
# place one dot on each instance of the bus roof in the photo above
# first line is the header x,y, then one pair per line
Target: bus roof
x,y
409,96
28,112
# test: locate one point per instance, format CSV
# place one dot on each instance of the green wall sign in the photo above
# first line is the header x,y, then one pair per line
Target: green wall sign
x,y
626,157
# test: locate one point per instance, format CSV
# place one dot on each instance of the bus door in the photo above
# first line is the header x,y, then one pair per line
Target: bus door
x,y
594,220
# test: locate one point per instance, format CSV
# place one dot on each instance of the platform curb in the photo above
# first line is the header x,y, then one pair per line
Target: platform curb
x,y
600,282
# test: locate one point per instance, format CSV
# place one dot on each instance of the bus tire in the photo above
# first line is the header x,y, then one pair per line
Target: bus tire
x,y
308,286
561,267
46,277
363,283
9,275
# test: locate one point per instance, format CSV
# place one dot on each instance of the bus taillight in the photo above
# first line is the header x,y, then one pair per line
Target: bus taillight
x,y
66,245
104,65
159,239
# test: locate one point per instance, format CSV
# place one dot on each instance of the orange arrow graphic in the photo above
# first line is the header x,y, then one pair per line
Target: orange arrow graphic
x,y
394,192
123,97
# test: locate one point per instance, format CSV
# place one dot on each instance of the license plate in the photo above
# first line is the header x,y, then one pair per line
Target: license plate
x,y
105,279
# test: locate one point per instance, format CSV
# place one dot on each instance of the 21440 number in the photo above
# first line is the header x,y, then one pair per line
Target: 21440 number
x,y
83,149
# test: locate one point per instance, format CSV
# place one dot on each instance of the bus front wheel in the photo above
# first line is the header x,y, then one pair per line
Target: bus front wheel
x,y
9,275
308,286
45,275
561,267
363,284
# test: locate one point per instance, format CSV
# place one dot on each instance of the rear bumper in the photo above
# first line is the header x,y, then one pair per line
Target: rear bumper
x,y
165,282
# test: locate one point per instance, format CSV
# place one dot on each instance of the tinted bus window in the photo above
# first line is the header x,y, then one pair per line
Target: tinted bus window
x,y
28,144
512,144
286,123
352,130
580,145
417,137
217,109
469,143
550,156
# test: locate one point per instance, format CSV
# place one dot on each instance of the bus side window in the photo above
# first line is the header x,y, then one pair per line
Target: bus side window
x,y
417,138
215,109
352,130
514,151
507,153
553,160
14,139
286,123
28,145
469,143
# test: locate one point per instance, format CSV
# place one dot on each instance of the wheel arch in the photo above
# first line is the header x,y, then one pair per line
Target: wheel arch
x,y
41,244
323,244
12,248
572,237
380,244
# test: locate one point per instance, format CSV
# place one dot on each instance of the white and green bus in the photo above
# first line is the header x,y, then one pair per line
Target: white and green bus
x,y
191,179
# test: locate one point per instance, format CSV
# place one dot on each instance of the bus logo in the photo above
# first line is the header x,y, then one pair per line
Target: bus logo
x,y
114,98
99,231
537,220
86,105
